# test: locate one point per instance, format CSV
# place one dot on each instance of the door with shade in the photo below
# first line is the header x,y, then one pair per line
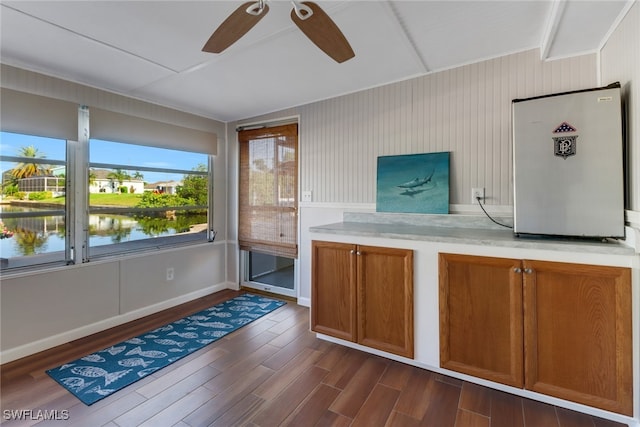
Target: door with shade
x,y
268,207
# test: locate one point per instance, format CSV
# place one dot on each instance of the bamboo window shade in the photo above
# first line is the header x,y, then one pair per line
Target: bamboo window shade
x,y
268,190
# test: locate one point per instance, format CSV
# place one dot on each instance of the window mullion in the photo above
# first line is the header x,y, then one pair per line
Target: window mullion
x,y
211,234
78,195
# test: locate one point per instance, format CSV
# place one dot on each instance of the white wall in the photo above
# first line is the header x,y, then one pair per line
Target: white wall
x,y
39,306
41,309
620,61
466,111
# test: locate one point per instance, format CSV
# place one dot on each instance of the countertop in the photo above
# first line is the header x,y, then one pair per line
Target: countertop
x,y
461,229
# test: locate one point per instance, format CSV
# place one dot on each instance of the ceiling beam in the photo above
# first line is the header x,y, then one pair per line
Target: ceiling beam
x,y
617,22
393,12
551,27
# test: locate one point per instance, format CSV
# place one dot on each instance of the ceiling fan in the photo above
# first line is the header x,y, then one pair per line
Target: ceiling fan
x,y
308,16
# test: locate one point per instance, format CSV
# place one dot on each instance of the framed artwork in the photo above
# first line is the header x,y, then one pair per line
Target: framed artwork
x,y
413,183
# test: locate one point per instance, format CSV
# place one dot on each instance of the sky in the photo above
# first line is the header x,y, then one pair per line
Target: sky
x,y
108,152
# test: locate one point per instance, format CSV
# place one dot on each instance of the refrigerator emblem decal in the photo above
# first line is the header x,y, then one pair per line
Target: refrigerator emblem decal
x,y
565,145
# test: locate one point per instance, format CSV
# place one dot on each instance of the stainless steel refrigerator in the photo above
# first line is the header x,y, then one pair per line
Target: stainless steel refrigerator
x,y
568,164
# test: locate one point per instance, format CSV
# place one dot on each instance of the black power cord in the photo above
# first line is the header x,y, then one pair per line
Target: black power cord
x,y
489,216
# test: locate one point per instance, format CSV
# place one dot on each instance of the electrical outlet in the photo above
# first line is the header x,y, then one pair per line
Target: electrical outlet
x,y
306,196
475,193
170,274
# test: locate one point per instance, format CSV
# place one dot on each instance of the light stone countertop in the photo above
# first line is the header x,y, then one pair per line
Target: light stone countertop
x,y
462,229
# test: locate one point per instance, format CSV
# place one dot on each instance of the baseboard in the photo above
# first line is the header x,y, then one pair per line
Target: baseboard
x,y
363,207
233,286
305,302
65,337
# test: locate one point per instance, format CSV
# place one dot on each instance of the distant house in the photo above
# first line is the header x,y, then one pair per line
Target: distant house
x,y
101,183
51,182
163,187
42,183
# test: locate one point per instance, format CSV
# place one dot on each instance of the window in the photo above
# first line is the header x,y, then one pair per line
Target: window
x,y
33,212
67,198
139,197
142,196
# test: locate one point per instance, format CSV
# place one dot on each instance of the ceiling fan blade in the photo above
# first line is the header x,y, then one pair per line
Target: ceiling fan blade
x,y
324,33
235,26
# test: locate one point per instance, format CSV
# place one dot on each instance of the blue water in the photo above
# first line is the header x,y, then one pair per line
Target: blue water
x,y
46,234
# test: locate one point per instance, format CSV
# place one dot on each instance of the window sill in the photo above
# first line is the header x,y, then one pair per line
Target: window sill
x,y
106,253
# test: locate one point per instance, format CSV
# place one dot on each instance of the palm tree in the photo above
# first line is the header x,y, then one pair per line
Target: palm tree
x,y
92,177
29,241
26,169
138,175
119,175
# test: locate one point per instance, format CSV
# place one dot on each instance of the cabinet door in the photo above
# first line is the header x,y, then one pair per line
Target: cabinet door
x,y
333,289
578,333
481,317
385,299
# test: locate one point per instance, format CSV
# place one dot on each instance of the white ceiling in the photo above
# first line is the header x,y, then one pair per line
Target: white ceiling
x,y
151,50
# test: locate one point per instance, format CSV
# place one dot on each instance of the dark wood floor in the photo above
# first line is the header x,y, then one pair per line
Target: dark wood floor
x,y
271,372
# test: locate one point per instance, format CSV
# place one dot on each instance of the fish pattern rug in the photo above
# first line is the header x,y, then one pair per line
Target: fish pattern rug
x,y
96,376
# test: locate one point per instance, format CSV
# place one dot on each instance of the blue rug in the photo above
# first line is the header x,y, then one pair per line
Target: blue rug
x,y
100,374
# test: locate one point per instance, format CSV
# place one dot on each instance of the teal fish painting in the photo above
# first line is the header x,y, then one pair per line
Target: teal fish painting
x,y
413,183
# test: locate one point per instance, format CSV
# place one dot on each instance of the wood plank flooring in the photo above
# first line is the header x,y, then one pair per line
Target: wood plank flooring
x,y
272,372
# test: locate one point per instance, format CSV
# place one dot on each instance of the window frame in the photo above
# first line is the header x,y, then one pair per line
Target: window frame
x,y
50,258
149,243
76,210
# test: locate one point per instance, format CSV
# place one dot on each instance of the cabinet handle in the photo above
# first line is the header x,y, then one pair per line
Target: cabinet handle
x,y
358,253
528,270
352,252
517,270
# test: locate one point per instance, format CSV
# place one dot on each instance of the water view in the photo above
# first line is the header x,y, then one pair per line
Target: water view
x,y
40,234
138,197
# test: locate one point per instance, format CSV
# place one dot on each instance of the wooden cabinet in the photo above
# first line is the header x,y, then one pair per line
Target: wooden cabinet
x,y
333,290
385,299
363,294
578,333
481,322
555,328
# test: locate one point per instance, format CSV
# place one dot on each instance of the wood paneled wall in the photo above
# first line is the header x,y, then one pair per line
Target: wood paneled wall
x,y
52,87
620,61
465,110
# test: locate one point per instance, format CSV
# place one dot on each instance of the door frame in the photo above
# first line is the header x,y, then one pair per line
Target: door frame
x,y
244,255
